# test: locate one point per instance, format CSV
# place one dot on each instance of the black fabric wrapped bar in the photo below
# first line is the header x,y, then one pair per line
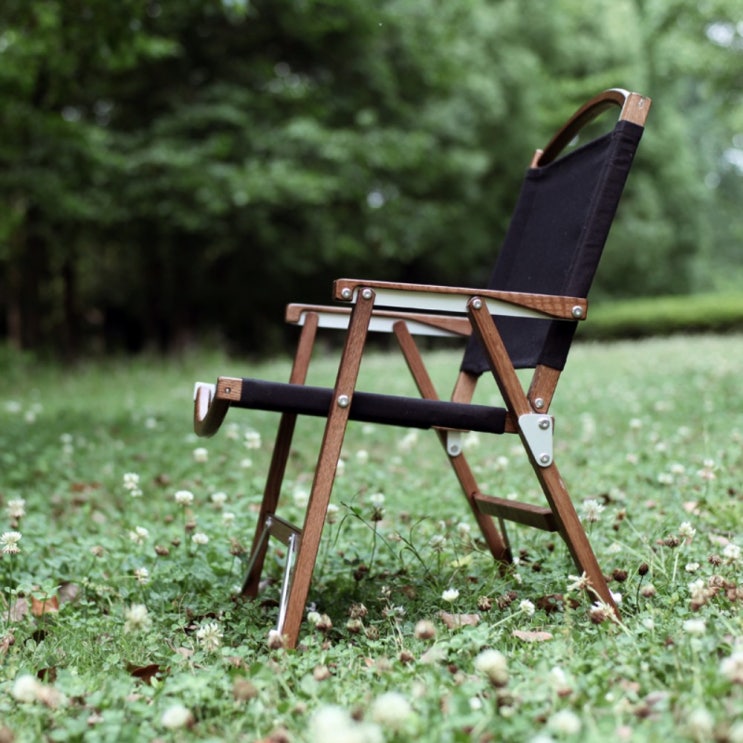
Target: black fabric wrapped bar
x,y
370,407
554,243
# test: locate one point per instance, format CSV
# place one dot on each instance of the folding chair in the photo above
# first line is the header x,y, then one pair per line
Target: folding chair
x,y
524,319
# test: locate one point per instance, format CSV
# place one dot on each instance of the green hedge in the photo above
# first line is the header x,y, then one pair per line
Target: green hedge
x,y
636,318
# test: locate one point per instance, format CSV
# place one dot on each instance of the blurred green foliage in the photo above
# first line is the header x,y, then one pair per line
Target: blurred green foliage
x,y
174,171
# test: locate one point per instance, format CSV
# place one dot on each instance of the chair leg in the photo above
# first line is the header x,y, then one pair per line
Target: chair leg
x,y
277,468
330,451
572,531
270,502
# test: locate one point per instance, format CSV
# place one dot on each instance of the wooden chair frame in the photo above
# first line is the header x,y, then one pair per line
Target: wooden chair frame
x,y
408,310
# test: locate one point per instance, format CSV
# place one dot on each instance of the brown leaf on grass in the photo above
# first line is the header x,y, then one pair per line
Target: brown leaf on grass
x,y
691,506
532,636
49,605
6,641
68,592
453,621
147,673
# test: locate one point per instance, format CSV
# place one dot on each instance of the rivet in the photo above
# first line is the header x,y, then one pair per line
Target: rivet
x,y
477,303
346,293
577,312
366,293
454,450
544,424
343,401
227,390
544,458
539,403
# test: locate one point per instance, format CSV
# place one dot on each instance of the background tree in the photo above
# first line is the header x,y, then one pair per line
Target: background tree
x,y
173,170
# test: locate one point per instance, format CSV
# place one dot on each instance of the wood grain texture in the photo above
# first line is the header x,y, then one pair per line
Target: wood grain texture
x,y
558,307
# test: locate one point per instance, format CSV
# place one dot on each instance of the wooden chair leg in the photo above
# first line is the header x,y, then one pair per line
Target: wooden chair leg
x,y
330,451
279,459
271,494
572,531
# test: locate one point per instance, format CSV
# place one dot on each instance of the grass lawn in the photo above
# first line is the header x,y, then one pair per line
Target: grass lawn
x,y
119,614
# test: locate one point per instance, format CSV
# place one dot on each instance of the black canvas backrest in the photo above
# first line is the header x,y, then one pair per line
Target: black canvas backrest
x,y
554,243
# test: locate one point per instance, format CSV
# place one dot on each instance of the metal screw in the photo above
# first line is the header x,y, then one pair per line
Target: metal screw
x,y
544,424
343,401
227,390
477,303
366,293
454,450
539,403
346,293
544,458
577,312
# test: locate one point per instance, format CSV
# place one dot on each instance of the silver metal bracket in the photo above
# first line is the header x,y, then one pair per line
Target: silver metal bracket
x,y
538,433
454,443
290,535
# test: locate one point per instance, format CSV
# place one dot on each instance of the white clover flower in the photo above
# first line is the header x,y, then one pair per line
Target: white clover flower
x,y
701,724
139,534
16,508
376,500
333,724
665,478
526,607
463,529
142,576
26,688
565,722
695,626
437,542
200,538
252,440
578,583
131,481
408,441
246,463
232,431
687,531
228,518
494,665
209,636
137,618
301,497
9,541
677,469
331,515
635,424
176,716
391,710
201,454
219,499
731,553
450,595
732,667
183,497
691,567
592,510
362,456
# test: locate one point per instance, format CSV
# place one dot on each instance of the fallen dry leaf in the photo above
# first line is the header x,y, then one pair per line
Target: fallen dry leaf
x,y
452,621
49,605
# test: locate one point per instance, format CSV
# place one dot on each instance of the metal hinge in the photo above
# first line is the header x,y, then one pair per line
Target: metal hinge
x,y
538,433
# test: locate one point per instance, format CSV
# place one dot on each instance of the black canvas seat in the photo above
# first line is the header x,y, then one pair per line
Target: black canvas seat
x,y
525,318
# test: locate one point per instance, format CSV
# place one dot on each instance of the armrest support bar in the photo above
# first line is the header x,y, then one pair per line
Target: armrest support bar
x,y
209,410
454,299
382,321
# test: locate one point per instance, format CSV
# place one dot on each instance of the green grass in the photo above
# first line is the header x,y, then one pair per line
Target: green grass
x,y
652,430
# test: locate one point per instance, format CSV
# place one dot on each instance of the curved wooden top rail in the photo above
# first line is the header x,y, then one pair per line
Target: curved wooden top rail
x,y
635,108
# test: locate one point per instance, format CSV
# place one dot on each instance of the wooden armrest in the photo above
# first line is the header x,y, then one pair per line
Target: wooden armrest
x,y
382,321
454,299
209,410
